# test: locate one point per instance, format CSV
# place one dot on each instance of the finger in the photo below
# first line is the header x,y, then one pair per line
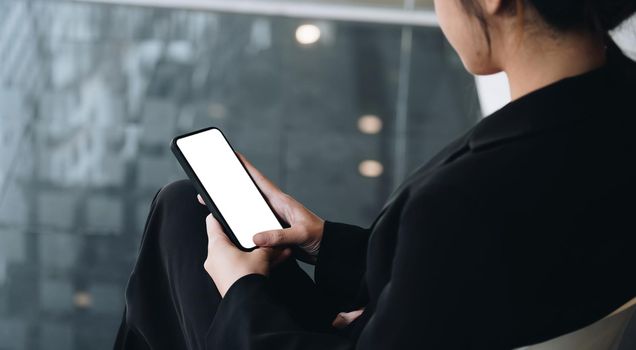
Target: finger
x,y
274,238
214,230
268,187
212,225
344,319
200,199
339,322
353,315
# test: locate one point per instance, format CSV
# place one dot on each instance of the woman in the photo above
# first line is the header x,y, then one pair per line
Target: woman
x,y
518,232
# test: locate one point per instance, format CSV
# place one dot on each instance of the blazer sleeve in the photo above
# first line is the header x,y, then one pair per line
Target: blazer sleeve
x,y
248,317
446,289
341,262
443,283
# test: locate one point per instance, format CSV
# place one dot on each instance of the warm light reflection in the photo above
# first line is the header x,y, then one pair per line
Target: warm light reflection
x,y
82,300
307,34
370,168
370,124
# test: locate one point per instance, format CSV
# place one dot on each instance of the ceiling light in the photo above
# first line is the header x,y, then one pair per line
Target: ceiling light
x,y
307,34
370,124
370,168
82,299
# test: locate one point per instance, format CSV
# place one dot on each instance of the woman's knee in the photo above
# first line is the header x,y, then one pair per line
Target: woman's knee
x,y
177,201
178,191
179,217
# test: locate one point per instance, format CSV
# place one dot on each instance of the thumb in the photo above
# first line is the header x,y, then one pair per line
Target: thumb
x,y
215,231
286,236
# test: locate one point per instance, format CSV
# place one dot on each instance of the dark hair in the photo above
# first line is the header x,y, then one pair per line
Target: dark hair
x,y
597,16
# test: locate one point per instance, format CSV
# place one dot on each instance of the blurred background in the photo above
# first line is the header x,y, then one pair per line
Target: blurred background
x,y
336,101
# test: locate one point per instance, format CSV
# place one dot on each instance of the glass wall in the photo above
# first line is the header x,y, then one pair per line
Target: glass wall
x,y
335,112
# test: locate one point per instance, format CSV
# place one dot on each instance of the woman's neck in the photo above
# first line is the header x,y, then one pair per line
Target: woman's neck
x,y
537,64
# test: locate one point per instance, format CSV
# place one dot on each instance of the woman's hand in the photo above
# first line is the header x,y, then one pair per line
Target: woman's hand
x,y
226,263
305,229
344,319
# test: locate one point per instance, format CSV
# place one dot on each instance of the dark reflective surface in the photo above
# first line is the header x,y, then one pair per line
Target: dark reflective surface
x,y
91,95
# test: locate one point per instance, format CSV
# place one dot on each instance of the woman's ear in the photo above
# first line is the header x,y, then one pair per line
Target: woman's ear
x,y
492,7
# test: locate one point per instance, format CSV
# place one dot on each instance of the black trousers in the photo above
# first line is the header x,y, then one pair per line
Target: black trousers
x,y
170,299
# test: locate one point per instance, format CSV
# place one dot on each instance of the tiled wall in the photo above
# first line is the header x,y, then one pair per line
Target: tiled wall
x,y
90,96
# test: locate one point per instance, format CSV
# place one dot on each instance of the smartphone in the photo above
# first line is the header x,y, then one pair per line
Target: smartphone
x,y
227,188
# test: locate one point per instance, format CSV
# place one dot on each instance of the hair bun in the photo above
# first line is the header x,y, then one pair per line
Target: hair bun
x,y
611,13
598,15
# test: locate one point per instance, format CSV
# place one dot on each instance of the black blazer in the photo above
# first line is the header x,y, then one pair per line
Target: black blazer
x,y
521,230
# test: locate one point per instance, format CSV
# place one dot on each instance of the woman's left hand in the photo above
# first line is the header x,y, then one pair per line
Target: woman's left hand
x,y
226,263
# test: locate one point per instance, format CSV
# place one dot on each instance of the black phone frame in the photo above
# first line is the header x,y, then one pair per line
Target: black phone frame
x,y
206,196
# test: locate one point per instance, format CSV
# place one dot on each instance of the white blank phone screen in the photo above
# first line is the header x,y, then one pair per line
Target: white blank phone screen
x,y
222,175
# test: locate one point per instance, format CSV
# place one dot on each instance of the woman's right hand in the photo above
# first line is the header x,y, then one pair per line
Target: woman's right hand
x,y
305,229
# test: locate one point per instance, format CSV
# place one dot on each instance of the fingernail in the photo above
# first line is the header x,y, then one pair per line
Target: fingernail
x,y
259,239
